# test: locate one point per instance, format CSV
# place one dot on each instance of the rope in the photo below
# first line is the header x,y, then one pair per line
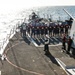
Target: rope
x,y
18,66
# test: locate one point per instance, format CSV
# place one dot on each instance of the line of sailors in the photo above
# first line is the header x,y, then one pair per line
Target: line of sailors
x,y
47,30
55,30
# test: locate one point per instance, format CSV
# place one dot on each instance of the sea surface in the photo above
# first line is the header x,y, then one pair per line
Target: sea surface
x,y
57,12
10,20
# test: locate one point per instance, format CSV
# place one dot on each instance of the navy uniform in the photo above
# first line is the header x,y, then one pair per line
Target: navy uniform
x,y
38,31
28,29
61,29
50,30
64,41
69,45
24,30
46,47
21,30
42,31
54,30
66,29
57,30
46,30
33,32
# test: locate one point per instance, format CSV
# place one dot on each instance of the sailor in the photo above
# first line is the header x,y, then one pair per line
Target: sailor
x,y
64,41
61,29
69,45
24,30
50,30
38,31
66,29
46,47
42,31
57,30
33,31
28,29
54,31
46,30
21,30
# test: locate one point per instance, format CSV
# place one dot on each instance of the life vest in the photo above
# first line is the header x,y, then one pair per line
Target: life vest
x,y
64,39
69,41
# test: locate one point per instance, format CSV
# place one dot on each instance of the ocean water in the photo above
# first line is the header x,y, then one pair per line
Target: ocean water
x,y
57,12
9,21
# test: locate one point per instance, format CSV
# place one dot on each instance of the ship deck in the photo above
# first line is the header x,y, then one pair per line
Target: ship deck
x,y
24,58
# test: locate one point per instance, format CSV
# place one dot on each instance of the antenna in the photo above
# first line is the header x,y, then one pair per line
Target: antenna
x,y
69,14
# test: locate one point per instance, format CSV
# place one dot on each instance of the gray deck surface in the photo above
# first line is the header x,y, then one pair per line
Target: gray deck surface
x,y
29,57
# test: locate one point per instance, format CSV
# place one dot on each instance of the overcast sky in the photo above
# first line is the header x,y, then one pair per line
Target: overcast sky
x,y
6,5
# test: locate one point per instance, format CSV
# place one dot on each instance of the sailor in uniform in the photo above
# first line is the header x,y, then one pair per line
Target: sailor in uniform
x,y
46,47
54,30
24,30
70,41
61,29
46,30
21,30
42,32
33,31
38,32
64,41
50,30
66,29
28,29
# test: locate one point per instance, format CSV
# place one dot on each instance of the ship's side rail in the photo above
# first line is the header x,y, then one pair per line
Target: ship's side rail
x,y
6,35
